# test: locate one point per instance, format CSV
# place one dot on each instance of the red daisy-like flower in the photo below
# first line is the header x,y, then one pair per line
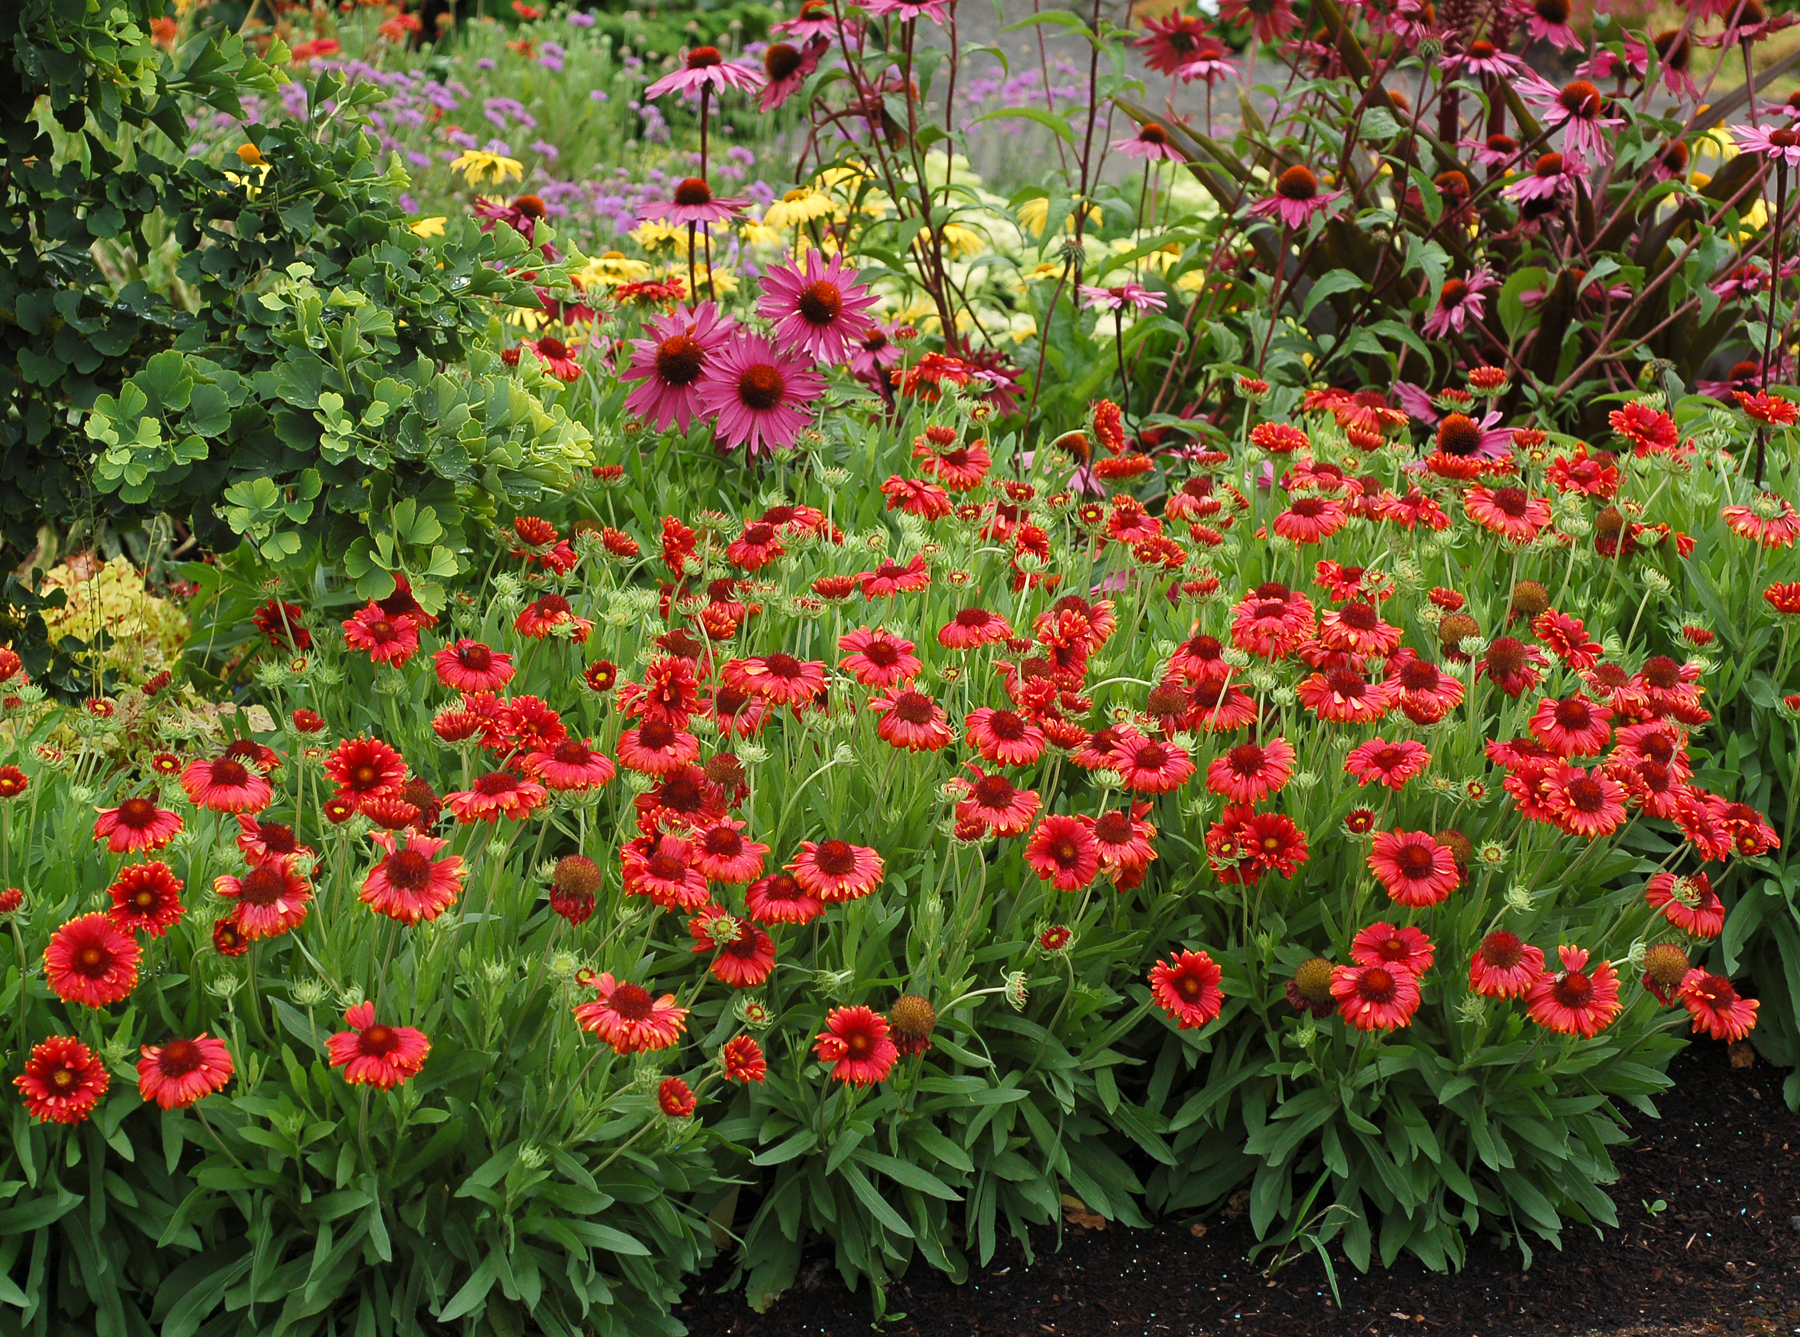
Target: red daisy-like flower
x,y
1510,512
855,1042
835,870
470,666
271,899
366,768
877,659
1568,638
1504,966
495,794
628,1018
910,720
387,639
1403,947
1357,629
1272,621
261,840
1771,521
1344,696
723,854
13,782
1514,667
891,578
226,785
743,960
1688,902
146,899
136,824
1716,1007
659,867
1003,737
1413,867
780,899
1186,987
1575,1000
63,1081
1251,772
656,748
92,961
972,627
1200,658
779,679
374,1054
179,1072
1583,803
1375,998
412,882
1123,839
1573,727
1381,762
995,803
1423,692
676,1098
1310,519
1062,851
1150,767
570,765
742,1059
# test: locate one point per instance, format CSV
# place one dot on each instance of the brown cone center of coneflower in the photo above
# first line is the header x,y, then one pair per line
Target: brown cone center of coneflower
x,y
1503,950
875,341
992,791
820,302
1573,990
693,191
835,858
1418,676
1153,134
1297,183
1459,435
1661,671
1549,165
1415,862
1376,985
1672,46
1482,50
137,813
1452,293
1246,759
263,886
1552,11
1502,144
679,359
179,1058
761,387
409,870
498,782
1580,98
1573,716
913,707
780,62
1453,184
532,206
701,57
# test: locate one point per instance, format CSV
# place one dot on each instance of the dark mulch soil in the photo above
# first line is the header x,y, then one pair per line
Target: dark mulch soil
x,y
1723,1257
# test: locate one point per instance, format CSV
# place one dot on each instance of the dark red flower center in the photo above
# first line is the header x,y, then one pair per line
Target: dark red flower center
x,y
1573,716
1552,11
882,654
1150,757
701,57
495,783
1005,725
761,387
679,360
409,870
1661,671
693,192
263,887
724,842
820,303
1506,656
1511,501
1573,990
913,708
835,858
1297,183
784,887
780,61
229,774
1502,950
378,1041
1377,985
1415,862
783,666
1586,795
1246,760
475,658
665,867
179,1058
572,752
1346,682
1359,615
993,791
137,813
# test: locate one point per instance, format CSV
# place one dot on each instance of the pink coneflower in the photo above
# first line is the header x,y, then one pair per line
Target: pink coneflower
x,y
1269,20
1210,61
1483,57
785,69
1149,144
1413,867
1459,302
1552,176
875,352
1548,21
692,201
1504,966
817,306
1381,762
1296,199
226,784
1169,43
815,19
1575,1000
1777,143
1402,946
412,882
705,68
907,11
756,392
1251,772
1133,295
671,362
1580,110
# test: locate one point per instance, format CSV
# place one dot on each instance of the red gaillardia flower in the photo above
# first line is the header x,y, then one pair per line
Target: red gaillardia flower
x,y
63,1081
835,870
1575,1000
1509,512
226,784
1251,772
876,658
387,639
780,899
676,1098
271,899
1413,867
1375,998
779,679
146,898
629,1019
742,1059
1583,803
1574,727
1715,1006
1187,989
1381,762
910,720
657,748
376,1054
412,883
568,765
136,824
1151,767
92,961
972,627
494,794
1062,850
742,960
995,803
261,841
1403,947
1504,966
1344,696
1003,737
470,666
366,768
855,1042
13,782
179,1072
1687,902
